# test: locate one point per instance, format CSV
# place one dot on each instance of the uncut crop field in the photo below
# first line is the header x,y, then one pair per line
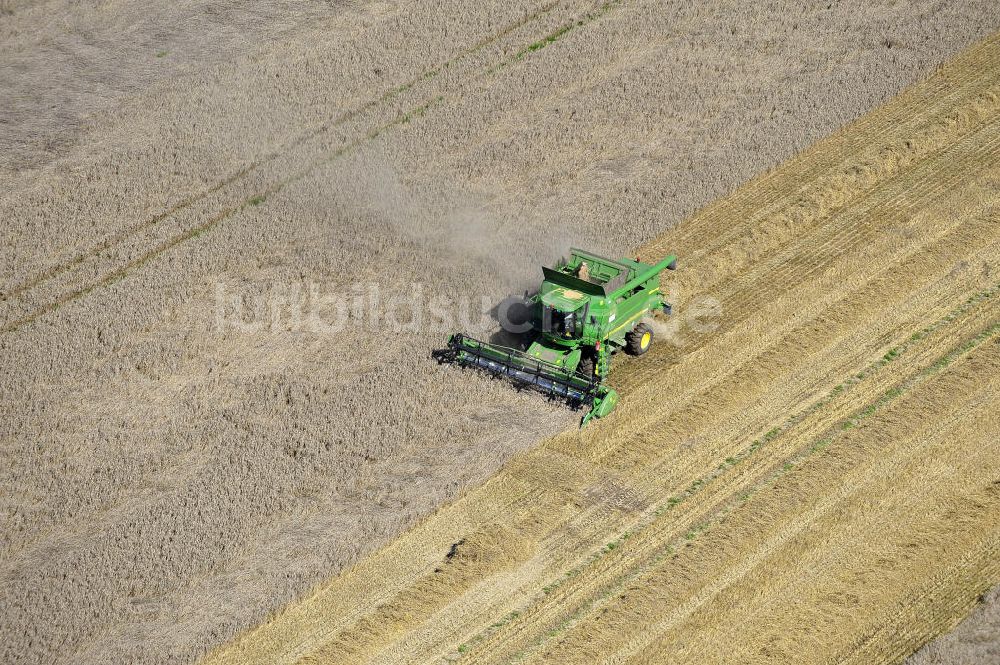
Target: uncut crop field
x,y
222,229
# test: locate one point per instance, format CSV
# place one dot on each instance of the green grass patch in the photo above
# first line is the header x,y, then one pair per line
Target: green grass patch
x,y
820,445
545,41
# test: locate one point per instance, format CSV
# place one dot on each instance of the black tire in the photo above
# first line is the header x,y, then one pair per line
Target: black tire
x,y
586,367
639,340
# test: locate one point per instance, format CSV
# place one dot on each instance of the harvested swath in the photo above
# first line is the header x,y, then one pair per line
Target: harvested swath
x,y
972,641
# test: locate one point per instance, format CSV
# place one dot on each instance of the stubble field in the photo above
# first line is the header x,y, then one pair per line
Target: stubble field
x,y
813,467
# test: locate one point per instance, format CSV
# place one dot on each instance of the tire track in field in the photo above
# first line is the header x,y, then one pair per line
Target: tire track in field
x,y
124,269
519,55
547,39
261,196
311,133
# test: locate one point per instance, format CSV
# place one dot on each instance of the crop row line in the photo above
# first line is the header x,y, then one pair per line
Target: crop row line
x,y
894,353
343,118
671,548
741,299
262,196
760,196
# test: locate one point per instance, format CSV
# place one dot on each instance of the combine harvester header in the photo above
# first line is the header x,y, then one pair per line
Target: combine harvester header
x,y
587,308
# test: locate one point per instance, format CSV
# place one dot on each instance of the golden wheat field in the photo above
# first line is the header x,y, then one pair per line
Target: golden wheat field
x,y
817,480
232,233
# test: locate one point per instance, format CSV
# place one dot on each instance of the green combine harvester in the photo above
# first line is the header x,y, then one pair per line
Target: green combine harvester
x,y
587,308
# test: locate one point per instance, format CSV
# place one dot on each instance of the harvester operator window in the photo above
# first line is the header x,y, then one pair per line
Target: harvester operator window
x,y
564,324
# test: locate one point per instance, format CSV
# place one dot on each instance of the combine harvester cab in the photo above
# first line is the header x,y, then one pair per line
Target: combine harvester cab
x,y
587,308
